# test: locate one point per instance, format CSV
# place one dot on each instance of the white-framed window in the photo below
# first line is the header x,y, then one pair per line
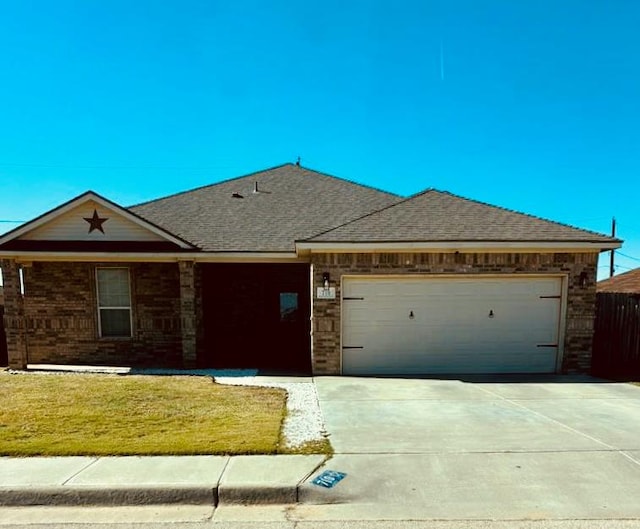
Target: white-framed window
x,y
114,302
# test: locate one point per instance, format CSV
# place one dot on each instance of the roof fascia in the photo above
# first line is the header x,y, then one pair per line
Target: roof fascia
x,y
166,257
453,246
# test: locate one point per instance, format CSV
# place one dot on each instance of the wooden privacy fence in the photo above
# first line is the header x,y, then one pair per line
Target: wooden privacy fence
x,y
616,342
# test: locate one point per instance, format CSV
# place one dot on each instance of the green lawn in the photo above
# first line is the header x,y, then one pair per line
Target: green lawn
x,y
135,415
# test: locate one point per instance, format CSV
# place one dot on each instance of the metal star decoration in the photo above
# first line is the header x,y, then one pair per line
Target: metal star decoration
x,y
95,222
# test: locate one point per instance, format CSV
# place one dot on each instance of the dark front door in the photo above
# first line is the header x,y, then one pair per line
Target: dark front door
x,y
256,316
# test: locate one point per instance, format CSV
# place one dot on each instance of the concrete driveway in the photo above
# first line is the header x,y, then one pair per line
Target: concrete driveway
x,y
481,448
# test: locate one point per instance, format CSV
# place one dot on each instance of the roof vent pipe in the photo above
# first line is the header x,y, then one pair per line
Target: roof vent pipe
x,y
255,187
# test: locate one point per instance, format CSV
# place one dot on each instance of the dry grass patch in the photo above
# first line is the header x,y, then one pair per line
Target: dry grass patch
x,y
136,415
319,446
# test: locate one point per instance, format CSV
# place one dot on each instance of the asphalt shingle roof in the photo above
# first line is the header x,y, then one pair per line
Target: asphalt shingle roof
x,y
291,203
629,283
440,216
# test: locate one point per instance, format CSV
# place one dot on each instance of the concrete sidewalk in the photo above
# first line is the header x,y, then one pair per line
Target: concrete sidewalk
x,y
195,480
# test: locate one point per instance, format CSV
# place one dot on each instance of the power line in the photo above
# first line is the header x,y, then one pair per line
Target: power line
x,y
112,167
627,256
13,221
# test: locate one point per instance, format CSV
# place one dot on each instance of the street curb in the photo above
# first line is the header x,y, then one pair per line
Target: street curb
x,y
118,496
129,496
251,495
211,481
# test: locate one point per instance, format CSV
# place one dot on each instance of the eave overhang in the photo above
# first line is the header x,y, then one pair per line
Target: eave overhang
x,y
159,257
306,247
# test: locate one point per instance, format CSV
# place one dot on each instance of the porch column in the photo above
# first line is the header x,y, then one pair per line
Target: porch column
x,y
14,315
188,313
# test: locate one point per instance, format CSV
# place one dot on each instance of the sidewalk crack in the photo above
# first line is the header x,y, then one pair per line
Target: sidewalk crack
x,y
224,469
310,473
91,463
216,490
288,516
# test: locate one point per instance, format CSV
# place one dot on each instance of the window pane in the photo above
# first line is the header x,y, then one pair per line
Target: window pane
x,y
113,287
288,306
115,322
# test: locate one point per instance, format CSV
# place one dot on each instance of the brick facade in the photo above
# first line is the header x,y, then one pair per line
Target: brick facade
x,y
188,313
326,317
61,317
57,320
14,315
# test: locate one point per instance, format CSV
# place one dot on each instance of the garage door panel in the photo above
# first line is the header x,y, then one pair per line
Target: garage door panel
x,y
447,333
448,325
404,362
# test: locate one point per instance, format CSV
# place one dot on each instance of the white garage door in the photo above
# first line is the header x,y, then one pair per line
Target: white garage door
x,y
450,325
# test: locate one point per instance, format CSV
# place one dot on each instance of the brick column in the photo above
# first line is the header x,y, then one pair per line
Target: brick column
x,y
14,315
188,313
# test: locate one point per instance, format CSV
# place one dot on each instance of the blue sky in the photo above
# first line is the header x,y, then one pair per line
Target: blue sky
x,y
530,105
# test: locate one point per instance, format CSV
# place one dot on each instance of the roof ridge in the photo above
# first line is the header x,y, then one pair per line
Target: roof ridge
x,y
350,181
369,214
563,224
469,200
224,181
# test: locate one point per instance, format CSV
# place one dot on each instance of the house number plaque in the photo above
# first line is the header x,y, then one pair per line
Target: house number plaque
x,y
326,293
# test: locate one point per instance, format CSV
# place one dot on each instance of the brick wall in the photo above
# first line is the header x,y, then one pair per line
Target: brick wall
x,y
61,318
198,279
4,357
188,313
580,300
13,315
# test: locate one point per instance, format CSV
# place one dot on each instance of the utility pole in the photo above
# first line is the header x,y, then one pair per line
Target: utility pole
x,y
613,252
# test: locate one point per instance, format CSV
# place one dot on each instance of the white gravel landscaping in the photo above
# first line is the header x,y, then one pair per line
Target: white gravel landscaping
x,y
304,422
